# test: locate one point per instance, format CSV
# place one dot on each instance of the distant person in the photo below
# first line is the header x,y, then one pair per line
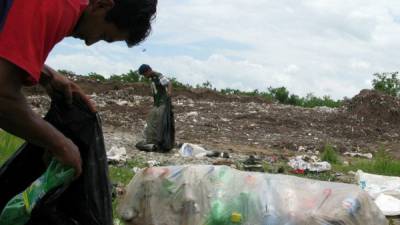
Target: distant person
x,y
159,133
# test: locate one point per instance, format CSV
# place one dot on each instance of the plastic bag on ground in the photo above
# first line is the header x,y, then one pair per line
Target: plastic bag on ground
x,y
220,195
385,190
117,154
87,200
192,150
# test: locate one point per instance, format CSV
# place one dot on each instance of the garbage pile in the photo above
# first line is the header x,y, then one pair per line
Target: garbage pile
x,y
374,106
220,195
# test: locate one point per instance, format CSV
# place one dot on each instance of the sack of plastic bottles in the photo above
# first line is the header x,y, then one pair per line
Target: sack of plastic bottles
x,y
220,195
19,209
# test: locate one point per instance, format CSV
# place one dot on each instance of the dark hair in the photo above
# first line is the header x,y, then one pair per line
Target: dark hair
x,y
144,68
134,16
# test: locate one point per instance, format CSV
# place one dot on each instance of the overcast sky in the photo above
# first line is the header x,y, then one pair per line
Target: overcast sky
x,y
327,47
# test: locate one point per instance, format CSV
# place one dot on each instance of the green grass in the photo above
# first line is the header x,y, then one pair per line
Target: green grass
x,y
382,164
329,154
122,175
8,145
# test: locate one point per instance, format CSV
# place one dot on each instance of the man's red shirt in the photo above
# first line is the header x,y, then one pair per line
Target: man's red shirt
x,y
33,27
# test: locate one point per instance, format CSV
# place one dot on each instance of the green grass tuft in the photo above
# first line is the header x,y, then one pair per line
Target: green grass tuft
x,y
329,154
382,164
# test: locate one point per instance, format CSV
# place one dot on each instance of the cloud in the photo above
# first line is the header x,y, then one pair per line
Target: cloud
x,y
324,47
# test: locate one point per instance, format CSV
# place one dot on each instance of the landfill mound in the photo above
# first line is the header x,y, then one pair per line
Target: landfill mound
x,y
240,124
375,106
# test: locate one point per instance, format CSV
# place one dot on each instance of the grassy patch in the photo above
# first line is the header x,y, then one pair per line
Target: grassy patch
x,y
382,164
122,175
329,154
8,145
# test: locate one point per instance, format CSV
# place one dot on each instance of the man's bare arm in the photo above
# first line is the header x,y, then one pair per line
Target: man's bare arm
x,y
18,118
169,89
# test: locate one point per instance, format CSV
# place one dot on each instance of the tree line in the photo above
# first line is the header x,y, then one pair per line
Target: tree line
x,y
388,83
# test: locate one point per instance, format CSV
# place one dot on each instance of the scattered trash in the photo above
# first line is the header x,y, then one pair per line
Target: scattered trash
x,y
358,154
224,162
307,163
116,154
298,171
136,169
253,164
215,195
123,103
301,148
218,154
192,114
153,163
192,150
384,190
120,191
389,205
143,146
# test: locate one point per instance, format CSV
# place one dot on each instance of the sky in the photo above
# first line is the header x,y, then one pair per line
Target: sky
x,y
324,47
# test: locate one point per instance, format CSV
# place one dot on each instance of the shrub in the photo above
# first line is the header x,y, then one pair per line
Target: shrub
x,y
281,94
96,76
388,83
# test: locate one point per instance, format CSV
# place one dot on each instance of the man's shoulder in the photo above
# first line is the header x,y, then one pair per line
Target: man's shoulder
x,y
161,78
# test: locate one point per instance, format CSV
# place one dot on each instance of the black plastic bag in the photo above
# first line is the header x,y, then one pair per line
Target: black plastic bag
x,y
87,201
167,128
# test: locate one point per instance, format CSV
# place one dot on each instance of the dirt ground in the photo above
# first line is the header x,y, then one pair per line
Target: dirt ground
x,y
250,125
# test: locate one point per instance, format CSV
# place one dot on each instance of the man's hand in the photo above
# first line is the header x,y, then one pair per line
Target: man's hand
x,y
66,152
54,82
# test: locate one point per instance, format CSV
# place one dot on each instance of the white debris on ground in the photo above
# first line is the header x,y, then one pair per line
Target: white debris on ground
x,y
384,190
128,140
307,163
117,154
358,154
192,150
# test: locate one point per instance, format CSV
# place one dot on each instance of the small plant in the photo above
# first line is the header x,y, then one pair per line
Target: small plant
x,y
329,154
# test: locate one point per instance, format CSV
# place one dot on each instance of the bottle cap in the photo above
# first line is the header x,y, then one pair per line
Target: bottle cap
x,y
236,217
